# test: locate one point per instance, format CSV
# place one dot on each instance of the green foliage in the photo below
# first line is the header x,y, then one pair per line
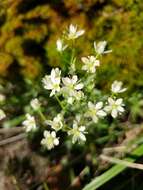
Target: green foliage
x,y
112,172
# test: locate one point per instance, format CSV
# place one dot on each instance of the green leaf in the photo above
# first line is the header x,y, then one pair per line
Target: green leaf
x,y
114,171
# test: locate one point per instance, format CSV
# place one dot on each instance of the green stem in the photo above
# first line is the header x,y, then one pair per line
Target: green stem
x,y
15,183
73,52
45,186
58,100
97,55
66,128
42,115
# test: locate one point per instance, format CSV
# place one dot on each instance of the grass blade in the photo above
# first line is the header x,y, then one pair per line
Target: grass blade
x,y
114,171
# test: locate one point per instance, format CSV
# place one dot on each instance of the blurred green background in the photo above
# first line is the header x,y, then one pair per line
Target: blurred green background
x,y
30,28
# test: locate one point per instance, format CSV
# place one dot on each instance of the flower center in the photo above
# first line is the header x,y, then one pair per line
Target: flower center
x,y
50,141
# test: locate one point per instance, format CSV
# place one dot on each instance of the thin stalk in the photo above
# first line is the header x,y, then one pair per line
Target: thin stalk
x,y
73,52
15,183
42,115
121,162
58,100
45,186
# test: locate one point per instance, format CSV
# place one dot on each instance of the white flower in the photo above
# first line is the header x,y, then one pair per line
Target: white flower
x,y
52,81
95,111
29,123
72,89
70,100
2,98
60,46
50,140
100,47
35,104
115,106
77,133
90,64
56,123
73,33
71,85
2,114
77,95
116,87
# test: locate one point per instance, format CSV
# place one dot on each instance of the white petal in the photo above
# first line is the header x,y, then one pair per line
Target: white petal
x,y
75,126
108,51
121,109
119,101
82,137
79,86
111,101
123,90
52,74
79,33
74,139
84,67
53,134
59,45
91,105
99,105
84,60
46,134
72,28
52,93
107,108
66,81
56,141
97,63
114,113
101,113
82,128
101,47
43,141
74,79
95,47
70,100
95,119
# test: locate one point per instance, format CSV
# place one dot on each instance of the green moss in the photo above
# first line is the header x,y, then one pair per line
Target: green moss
x,y
117,21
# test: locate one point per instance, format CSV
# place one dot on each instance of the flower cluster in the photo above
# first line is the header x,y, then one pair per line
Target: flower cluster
x,y
52,81
74,90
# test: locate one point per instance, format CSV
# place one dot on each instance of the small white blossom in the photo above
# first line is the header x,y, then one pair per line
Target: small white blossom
x,y
52,81
56,123
77,133
115,106
73,33
72,89
90,63
50,140
2,114
60,46
100,48
2,98
76,96
116,87
35,104
95,111
71,85
29,123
